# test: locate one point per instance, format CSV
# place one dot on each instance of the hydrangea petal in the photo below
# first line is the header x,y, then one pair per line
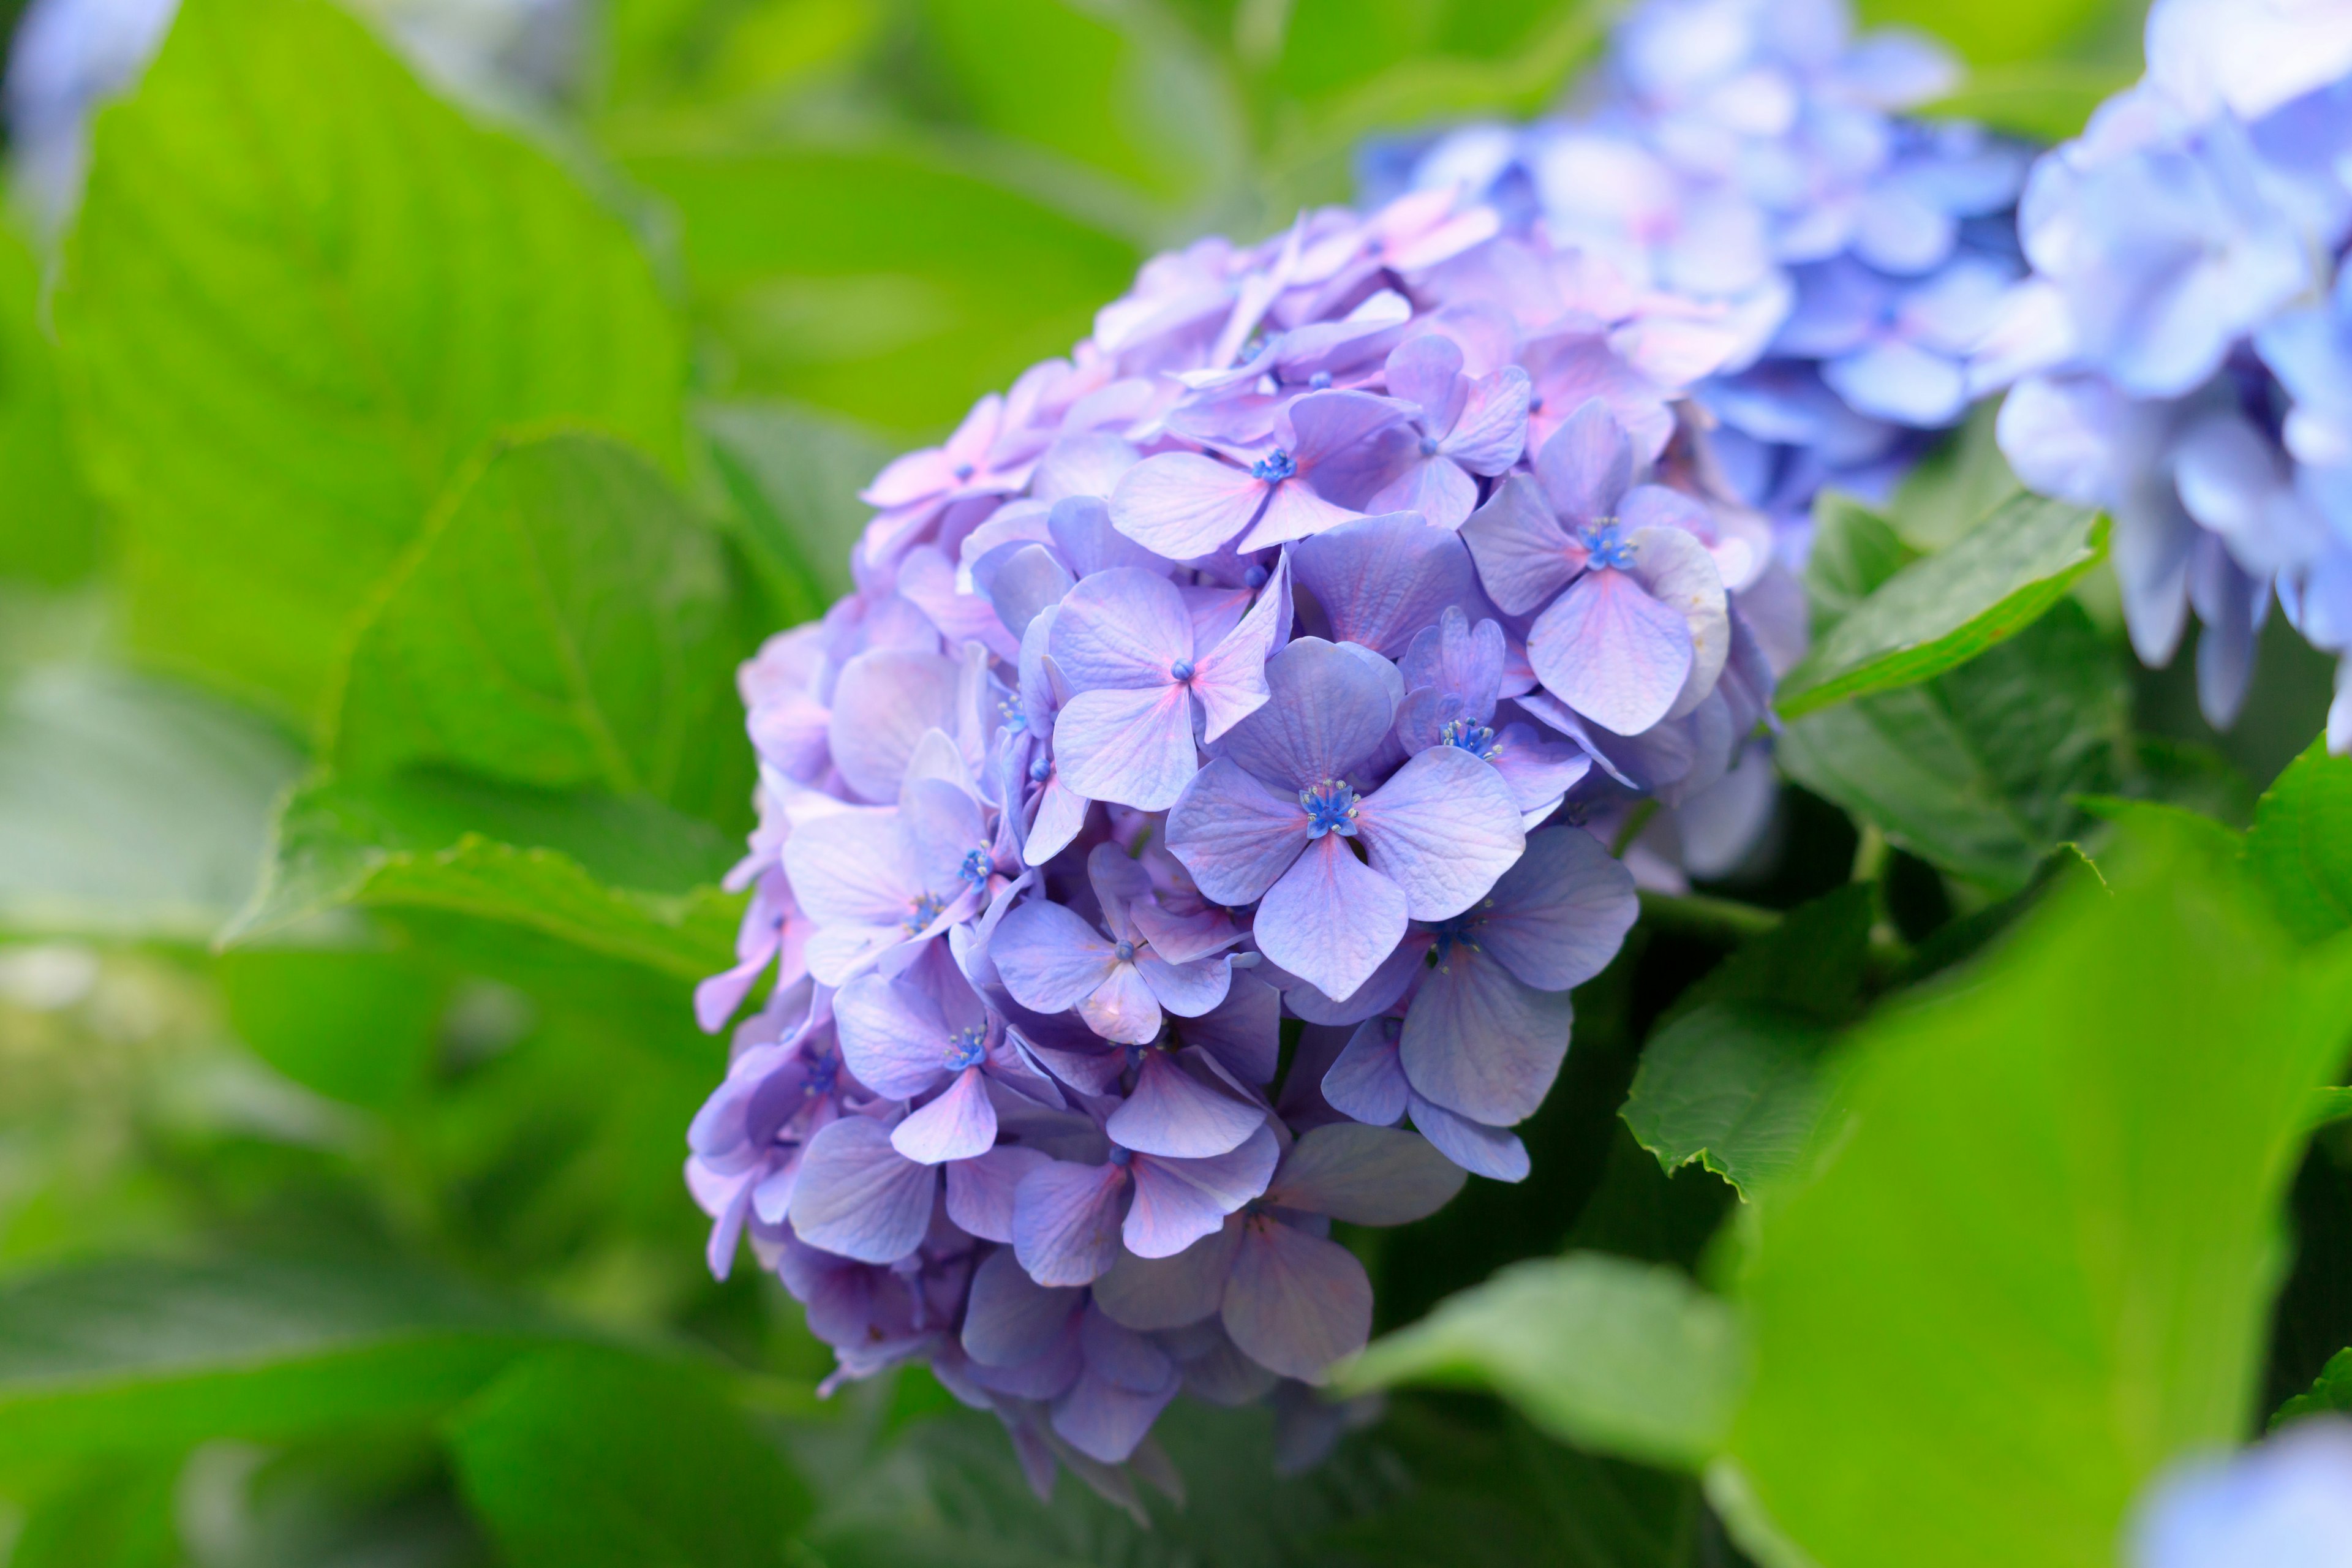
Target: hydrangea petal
x,y
1366,1081
1122,627
1122,1007
1049,956
1522,553
1182,504
1443,828
1233,834
1187,990
1364,1175
1480,1042
1177,1201
961,1124
1157,1293
1586,465
856,870
1331,919
1131,746
1381,579
1481,1150
1492,433
1174,1113
893,1036
1244,1032
979,1191
1065,1221
1010,1318
1558,916
1295,1303
1611,652
1230,678
857,1196
886,698
1329,710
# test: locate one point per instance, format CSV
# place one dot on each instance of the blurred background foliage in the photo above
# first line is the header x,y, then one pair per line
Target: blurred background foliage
x,y
345,1037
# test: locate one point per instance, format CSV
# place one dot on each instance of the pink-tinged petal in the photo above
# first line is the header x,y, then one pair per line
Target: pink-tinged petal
x,y
1390,981
1679,574
1187,990
915,477
854,869
1183,505
1158,1293
1182,1115
927,578
1180,939
1330,709
1381,580
1244,1032
1456,658
979,1191
1558,918
1492,433
1123,628
1330,919
1293,511
894,1039
941,822
838,954
1586,466
1366,1081
733,1205
961,1124
1061,813
1177,1201
859,1197
1611,652
716,999
883,702
1122,1007
1234,835
1065,1221
1295,1302
1117,879
1048,956
1426,371
1537,772
1230,680
1480,1042
1524,556
1483,1151
1012,1318
1131,747
1329,425
1027,583
1364,1175
1443,828
1435,488
1081,528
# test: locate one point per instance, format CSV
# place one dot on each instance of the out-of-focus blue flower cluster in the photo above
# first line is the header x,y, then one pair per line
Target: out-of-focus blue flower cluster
x,y
1187,835
1752,154
2182,353
2286,1503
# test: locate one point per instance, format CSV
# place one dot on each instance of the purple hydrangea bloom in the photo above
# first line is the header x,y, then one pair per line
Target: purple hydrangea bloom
x,y
1277,655
2286,1503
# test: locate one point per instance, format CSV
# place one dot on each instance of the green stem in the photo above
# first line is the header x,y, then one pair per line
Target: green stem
x,y
1727,920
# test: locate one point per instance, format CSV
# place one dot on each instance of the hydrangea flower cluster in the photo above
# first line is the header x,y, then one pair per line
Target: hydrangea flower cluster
x,y
1181,840
1752,152
2182,353
2285,1504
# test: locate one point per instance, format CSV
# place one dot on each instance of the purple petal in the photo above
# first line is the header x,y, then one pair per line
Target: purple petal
x,y
1366,1081
1083,534
1678,573
961,1124
1233,834
1183,505
1295,1303
1479,1041
853,868
1107,1413
1293,511
1121,1356
1012,1318
1443,828
1122,1007
1187,990
980,1192
1123,628
1065,1221
1230,681
893,1036
1177,1201
1028,581
1556,917
1586,465
1427,371
1048,956
1222,1374
1482,1150
940,823
1330,919
1365,1175
1611,652
886,698
1332,708
1154,1293
1381,579
857,1196
1537,772
1244,1032
1492,432
1389,982
1331,425
1523,555
1182,1115
1435,490
716,998
1061,813
1134,747
1180,939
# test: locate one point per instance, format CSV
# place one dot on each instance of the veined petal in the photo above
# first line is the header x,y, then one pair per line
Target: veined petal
x,y
1558,916
1480,1042
1175,1113
1061,813
1134,747
1364,1175
1295,1303
1122,1007
1177,1201
893,1036
1234,835
1427,371
1611,652
1012,1318
1156,1293
1482,1150
979,1191
1183,505
1231,678
1381,579
1366,1081
858,1196
856,870
961,1124
1330,709
1586,465
1679,574
1435,488
1293,511
1244,1032
1492,433
1187,990
1065,1221
1331,919
1443,828
886,698
1080,524
1523,556
1048,956
1121,628
1180,939
1537,772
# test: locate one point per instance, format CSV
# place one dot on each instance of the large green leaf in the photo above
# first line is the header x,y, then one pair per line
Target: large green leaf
x,y
2301,843
49,527
2330,1394
791,477
1943,610
141,1355
625,877
565,621
130,808
1615,1356
2034,1268
301,293
591,1458
1977,771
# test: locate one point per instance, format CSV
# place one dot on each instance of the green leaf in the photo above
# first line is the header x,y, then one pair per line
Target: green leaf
x,y
48,526
1615,1356
301,293
129,1354
1960,484
591,1458
351,1024
1734,1086
2331,1394
1811,961
2037,1265
112,1512
565,621
1945,609
2301,843
1976,772
791,477
627,879
130,808
1854,551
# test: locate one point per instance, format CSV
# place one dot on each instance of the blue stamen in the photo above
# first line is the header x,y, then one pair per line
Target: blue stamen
x,y
1274,467
1469,735
964,472
822,1073
1040,770
976,867
968,1050
1429,445
1255,578
1331,808
1608,547
1181,669
1460,931
1119,1156
921,913
1124,952
1321,381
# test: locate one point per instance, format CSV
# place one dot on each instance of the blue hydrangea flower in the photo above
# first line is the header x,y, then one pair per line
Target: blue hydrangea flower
x,y
2286,1503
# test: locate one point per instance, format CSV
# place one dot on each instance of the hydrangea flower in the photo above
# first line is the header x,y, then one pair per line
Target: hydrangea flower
x,y
1275,654
2286,1503
2179,355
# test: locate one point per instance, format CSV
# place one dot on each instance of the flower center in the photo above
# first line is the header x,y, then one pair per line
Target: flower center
x,y
1274,467
1119,1156
976,867
968,1050
1429,445
1124,952
1461,932
1607,545
1321,381
1331,808
1256,576
821,1073
964,472
1469,735
1181,669
1040,770
921,913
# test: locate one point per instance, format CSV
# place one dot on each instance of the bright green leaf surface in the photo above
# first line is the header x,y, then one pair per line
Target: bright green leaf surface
x,y
2301,843
130,808
1734,1086
624,877
116,1512
127,1354
1943,610
2332,1394
566,621
302,291
1616,1356
49,527
592,1459
1855,551
354,1024
792,478
2036,1267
